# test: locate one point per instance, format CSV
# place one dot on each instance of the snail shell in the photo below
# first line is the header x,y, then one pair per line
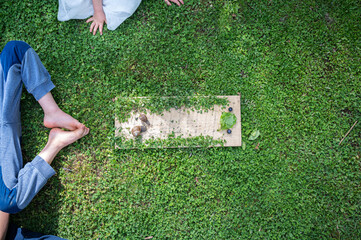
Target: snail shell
x,y
143,118
137,130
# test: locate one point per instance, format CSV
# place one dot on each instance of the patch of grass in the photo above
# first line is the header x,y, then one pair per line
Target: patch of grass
x,y
171,142
297,65
160,104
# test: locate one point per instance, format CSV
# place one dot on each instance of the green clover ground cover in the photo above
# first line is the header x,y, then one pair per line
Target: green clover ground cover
x,y
297,65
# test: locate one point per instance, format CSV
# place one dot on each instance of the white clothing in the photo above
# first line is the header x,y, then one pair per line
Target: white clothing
x,y
116,11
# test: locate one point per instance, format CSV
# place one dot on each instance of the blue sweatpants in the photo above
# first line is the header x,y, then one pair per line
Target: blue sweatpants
x,y
16,233
19,184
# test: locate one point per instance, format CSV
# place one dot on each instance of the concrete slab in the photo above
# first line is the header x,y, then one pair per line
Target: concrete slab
x,y
185,123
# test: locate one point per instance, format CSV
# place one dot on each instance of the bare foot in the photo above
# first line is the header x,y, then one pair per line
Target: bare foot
x,y
59,119
59,138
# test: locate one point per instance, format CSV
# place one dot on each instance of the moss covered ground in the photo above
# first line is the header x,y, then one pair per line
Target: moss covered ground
x,y
297,65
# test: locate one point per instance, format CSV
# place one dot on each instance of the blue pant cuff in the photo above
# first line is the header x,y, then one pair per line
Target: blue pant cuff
x,y
42,89
43,167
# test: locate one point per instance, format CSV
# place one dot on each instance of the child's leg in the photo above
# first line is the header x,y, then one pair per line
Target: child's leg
x,y
4,222
18,184
23,65
54,116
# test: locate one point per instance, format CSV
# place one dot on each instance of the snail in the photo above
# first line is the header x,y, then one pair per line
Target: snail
x,y
144,118
137,130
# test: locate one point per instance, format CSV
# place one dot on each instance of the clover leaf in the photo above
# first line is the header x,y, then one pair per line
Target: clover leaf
x,y
254,135
227,120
